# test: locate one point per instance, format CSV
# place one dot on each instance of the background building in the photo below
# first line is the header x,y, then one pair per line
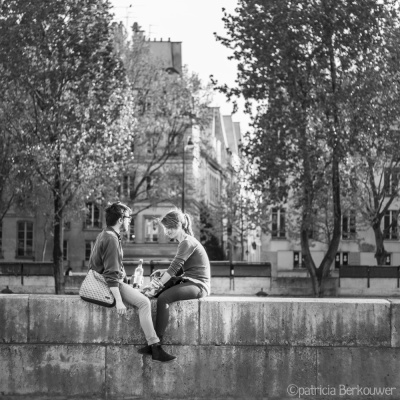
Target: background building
x,y
203,168
357,245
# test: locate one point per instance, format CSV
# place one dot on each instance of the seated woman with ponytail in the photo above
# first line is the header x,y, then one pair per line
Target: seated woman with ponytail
x,y
192,258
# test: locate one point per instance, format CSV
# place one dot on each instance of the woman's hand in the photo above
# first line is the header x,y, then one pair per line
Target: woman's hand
x,y
153,288
159,273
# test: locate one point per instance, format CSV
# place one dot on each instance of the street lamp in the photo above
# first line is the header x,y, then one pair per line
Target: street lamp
x,y
189,145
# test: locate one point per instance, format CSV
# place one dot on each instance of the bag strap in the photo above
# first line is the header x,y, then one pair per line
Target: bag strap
x,y
91,253
95,244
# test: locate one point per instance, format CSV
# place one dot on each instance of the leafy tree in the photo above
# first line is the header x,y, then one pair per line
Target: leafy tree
x,y
74,125
210,232
14,172
228,218
237,205
300,62
167,106
373,169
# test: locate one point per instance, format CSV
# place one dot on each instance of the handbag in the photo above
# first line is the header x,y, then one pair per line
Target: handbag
x,y
94,289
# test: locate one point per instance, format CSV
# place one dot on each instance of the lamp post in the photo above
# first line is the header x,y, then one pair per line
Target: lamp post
x,y
188,145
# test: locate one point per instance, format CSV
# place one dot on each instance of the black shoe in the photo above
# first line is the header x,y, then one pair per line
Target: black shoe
x,y
160,355
146,350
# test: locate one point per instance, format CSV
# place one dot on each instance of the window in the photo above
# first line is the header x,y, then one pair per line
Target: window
x,y
92,216
390,225
349,225
150,146
219,157
65,250
151,230
132,236
214,189
278,223
88,249
25,239
125,185
337,260
391,181
127,188
297,260
341,259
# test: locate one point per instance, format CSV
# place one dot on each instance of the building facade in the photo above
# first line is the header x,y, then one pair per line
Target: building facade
x,y
202,172
357,244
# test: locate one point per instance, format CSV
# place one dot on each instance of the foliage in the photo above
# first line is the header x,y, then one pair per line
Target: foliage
x,y
14,171
60,56
302,62
166,107
373,168
210,233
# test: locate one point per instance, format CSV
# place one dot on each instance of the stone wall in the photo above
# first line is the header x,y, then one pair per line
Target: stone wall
x,y
60,347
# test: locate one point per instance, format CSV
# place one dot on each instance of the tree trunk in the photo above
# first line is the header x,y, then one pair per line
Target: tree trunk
x,y
307,210
327,261
380,253
57,249
242,246
319,274
307,259
44,249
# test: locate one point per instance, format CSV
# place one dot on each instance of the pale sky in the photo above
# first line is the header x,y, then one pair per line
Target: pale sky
x,y
192,23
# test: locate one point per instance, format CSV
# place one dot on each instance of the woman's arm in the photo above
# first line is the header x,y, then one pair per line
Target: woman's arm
x,y
165,277
158,273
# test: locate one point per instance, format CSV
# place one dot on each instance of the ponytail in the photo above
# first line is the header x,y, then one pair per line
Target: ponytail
x,y
187,227
176,216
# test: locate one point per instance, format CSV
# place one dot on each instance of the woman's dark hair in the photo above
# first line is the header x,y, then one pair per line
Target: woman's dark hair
x,y
172,218
114,212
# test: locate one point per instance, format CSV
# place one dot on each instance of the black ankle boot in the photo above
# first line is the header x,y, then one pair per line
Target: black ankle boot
x,y
146,350
160,355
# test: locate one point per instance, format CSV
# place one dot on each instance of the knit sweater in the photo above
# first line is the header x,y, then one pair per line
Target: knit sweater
x,y
192,258
106,257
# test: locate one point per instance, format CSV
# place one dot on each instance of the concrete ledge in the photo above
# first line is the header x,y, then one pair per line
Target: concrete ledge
x,y
295,322
209,321
227,348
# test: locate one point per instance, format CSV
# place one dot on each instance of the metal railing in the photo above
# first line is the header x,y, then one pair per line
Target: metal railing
x,y
369,272
24,269
218,268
